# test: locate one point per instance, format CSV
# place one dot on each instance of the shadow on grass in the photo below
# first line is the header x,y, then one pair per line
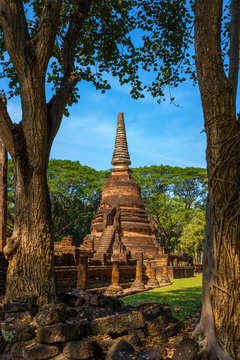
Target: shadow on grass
x,y
184,302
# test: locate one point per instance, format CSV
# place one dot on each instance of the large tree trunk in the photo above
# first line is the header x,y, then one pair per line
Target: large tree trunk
x,y
3,195
221,280
3,187
30,249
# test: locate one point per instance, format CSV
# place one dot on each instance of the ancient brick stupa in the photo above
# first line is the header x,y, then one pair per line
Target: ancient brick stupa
x,y
121,227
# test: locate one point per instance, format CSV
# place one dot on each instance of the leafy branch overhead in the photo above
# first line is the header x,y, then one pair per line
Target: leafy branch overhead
x,y
117,37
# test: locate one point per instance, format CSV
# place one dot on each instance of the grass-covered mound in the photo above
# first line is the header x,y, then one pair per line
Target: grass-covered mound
x,y
184,296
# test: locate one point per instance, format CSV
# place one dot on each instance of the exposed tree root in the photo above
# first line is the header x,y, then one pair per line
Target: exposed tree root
x,y
209,347
205,332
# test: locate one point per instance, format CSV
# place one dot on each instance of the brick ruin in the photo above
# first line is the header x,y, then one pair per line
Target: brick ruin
x,y
121,231
121,227
99,272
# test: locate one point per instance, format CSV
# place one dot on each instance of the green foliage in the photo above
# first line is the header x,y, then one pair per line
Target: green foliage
x,y
120,37
189,184
173,196
191,240
184,296
75,193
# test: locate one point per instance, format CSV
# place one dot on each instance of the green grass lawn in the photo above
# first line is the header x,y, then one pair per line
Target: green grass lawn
x,y
184,296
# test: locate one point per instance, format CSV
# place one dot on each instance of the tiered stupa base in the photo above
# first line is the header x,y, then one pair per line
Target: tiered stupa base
x,y
121,228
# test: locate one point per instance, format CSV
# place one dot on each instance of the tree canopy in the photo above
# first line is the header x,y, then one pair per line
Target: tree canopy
x,y
173,196
93,38
75,193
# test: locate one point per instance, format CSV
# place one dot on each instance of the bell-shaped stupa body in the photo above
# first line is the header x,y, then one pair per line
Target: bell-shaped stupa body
x,y
121,226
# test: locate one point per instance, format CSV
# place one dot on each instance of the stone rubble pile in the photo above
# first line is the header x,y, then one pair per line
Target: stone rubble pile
x,y
82,325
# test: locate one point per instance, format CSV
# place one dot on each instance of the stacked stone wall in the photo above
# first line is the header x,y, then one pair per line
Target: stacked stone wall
x,y
100,328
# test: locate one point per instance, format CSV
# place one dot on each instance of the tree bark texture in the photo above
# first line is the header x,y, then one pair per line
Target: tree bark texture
x,y
30,249
3,195
221,280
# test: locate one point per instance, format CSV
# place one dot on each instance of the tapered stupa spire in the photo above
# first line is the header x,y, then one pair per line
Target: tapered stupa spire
x,y
121,156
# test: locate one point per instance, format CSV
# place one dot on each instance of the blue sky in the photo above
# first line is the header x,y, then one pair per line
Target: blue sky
x,y
157,133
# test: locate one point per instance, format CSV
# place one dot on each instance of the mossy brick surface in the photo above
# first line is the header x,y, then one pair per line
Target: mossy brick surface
x,y
118,324
51,314
151,311
171,330
40,351
71,330
15,330
120,347
156,326
82,349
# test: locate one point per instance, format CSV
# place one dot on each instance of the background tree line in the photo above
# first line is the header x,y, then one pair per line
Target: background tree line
x,y
174,197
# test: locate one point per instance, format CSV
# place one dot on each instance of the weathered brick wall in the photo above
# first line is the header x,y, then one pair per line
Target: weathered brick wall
x,y
98,276
198,268
101,275
175,272
65,277
65,252
64,260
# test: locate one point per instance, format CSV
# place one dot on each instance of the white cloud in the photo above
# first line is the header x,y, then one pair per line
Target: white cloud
x,y
14,110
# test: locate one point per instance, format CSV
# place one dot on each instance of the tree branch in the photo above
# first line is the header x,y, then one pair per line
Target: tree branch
x,y
72,34
47,29
62,229
57,105
15,30
59,101
208,54
234,46
6,127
